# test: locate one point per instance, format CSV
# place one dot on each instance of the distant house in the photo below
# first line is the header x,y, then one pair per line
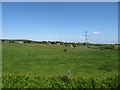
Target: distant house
x,y
18,41
21,42
58,44
48,43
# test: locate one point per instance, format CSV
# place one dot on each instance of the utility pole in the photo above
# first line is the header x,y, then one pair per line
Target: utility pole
x,y
86,38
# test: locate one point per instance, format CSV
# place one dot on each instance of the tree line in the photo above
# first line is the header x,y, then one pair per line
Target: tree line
x,y
68,44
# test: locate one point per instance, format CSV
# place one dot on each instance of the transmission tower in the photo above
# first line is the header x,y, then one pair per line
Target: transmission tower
x,y
86,38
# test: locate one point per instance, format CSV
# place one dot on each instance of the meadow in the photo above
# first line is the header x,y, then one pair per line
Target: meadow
x,y
57,60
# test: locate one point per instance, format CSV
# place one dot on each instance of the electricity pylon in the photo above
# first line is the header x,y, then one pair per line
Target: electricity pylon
x,y
86,38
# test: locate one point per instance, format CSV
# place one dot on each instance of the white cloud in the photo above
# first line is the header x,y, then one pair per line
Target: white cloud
x,y
96,32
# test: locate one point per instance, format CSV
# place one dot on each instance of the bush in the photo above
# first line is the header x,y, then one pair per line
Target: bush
x,y
74,45
106,47
65,50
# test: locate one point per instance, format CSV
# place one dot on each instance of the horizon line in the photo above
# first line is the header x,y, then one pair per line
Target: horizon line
x,y
58,41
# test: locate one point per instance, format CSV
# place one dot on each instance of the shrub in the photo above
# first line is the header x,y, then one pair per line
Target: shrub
x,y
65,49
106,47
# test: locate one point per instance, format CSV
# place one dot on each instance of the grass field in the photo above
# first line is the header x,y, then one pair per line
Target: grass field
x,y
53,60
47,66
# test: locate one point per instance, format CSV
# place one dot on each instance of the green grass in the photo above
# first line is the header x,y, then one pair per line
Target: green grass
x,y
53,60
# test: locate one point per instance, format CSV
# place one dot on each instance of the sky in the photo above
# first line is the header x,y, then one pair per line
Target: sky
x,y
61,21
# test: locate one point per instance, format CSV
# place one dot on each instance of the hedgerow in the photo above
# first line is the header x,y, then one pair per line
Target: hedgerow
x,y
37,81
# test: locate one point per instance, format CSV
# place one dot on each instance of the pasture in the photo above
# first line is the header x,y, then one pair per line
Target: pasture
x,y
47,60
